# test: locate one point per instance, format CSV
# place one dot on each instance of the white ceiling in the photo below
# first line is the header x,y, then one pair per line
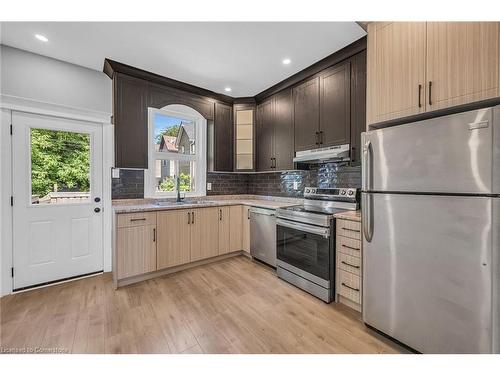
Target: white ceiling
x,y
245,56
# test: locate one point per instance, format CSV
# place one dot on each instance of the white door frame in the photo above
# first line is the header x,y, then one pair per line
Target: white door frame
x,y
9,104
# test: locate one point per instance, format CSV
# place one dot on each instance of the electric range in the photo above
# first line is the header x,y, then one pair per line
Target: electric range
x,y
305,239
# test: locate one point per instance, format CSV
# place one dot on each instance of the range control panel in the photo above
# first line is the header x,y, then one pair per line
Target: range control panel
x,y
344,194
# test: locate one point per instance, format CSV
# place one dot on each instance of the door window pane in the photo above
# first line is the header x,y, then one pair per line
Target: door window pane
x,y
174,135
60,167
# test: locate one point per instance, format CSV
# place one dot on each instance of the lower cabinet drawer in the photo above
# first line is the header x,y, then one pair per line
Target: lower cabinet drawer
x,y
349,228
349,263
135,219
349,246
349,286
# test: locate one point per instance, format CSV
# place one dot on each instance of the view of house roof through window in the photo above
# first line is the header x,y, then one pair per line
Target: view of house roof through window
x,y
174,134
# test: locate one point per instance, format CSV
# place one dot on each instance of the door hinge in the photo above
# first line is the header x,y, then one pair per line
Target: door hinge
x,y
12,272
11,200
11,129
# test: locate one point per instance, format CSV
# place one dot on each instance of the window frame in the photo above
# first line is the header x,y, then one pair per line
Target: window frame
x,y
200,158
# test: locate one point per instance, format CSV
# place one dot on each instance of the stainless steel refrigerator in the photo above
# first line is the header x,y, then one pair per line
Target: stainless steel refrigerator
x,y
431,232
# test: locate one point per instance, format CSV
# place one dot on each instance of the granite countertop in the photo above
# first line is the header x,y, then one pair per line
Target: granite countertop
x,y
140,205
349,215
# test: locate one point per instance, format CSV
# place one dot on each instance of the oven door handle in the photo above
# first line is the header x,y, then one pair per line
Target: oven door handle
x,y
325,232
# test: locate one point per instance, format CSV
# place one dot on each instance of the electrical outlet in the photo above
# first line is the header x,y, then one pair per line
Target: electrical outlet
x,y
295,185
115,173
209,186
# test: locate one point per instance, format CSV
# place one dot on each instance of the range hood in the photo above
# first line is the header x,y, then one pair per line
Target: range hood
x,y
322,155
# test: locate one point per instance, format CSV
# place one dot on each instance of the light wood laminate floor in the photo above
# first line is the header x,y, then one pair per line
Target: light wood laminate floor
x,y
232,306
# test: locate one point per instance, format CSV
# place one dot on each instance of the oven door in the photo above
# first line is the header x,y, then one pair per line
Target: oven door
x,y
306,247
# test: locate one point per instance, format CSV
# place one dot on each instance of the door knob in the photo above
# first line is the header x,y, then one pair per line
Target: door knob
x,y
97,209
97,199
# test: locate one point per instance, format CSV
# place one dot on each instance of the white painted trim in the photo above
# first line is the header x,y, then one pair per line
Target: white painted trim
x,y
15,103
5,208
107,165
188,113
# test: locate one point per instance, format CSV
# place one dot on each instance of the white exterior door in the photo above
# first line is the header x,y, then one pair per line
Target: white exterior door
x,y
57,190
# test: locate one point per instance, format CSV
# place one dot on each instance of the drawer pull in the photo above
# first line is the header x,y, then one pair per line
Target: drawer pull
x,y
348,264
350,247
350,287
141,219
352,230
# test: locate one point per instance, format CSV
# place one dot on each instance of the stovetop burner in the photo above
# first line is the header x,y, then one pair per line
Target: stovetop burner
x,y
320,205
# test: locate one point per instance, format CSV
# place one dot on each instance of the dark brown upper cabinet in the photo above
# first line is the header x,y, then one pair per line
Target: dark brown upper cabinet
x,y
335,105
264,136
283,130
274,133
306,114
358,104
223,138
322,109
130,118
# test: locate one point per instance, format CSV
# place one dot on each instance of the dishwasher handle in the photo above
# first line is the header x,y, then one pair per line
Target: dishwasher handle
x,y
262,211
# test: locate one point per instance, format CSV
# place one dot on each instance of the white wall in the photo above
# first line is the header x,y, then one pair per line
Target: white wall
x,y
27,75
66,87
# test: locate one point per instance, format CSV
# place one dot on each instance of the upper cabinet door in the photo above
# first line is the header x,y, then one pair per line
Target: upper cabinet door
x,y
223,135
335,101
306,114
264,144
462,63
358,104
283,131
396,70
130,117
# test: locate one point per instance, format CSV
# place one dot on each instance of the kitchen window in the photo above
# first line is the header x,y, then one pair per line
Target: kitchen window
x,y
177,141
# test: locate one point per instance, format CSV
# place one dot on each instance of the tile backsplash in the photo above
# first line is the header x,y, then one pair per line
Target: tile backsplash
x,y
131,182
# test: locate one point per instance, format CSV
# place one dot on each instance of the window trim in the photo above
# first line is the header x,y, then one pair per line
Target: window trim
x,y
200,158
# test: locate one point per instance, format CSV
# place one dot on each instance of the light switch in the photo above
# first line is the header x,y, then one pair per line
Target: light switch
x,y
115,173
209,186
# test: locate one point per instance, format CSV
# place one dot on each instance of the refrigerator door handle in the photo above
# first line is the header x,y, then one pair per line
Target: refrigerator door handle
x,y
366,171
366,217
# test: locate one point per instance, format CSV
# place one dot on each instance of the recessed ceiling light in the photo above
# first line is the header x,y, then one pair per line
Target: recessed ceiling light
x,y
41,37
286,61
227,89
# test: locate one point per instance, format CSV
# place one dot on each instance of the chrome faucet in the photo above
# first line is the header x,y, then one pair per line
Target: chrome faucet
x,y
178,188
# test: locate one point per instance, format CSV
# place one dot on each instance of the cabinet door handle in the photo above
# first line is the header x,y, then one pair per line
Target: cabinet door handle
x,y
220,214
349,264
189,217
350,287
430,92
317,138
248,214
321,137
419,96
154,234
192,219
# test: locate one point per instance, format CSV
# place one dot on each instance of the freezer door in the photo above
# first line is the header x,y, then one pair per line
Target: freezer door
x,y
450,154
427,274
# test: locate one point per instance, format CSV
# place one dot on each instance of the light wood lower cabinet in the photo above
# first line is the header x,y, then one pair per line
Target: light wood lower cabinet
x,y
236,228
246,229
136,250
224,230
204,233
349,263
174,238
151,241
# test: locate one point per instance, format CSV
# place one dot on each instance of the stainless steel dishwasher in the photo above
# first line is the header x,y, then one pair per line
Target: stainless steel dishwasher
x,y
263,235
